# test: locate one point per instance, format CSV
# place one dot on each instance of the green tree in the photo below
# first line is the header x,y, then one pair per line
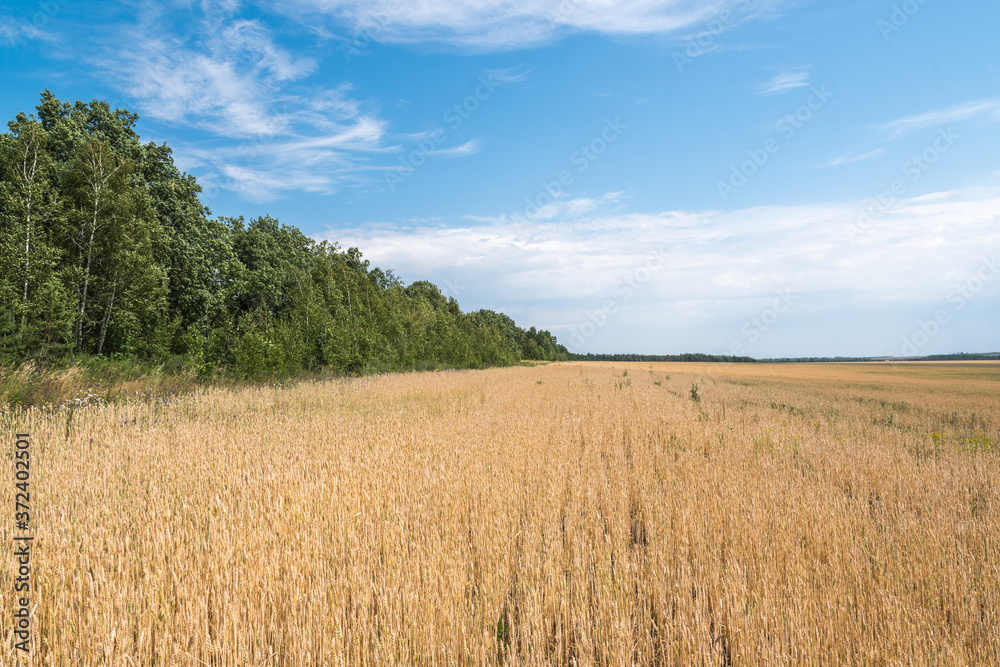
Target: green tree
x,y
28,206
105,248
114,233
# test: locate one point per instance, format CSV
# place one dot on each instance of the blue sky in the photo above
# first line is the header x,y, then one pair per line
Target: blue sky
x,y
758,177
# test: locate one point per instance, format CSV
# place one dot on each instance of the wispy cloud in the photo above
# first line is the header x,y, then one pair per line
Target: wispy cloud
x,y
506,75
486,25
269,131
470,147
987,107
262,186
223,76
564,208
14,32
798,78
851,158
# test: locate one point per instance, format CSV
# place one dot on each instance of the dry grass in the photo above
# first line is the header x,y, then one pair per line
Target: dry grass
x,y
32,385
565,514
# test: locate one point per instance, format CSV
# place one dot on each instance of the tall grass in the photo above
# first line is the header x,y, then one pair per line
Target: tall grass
x,y
552,515
29,384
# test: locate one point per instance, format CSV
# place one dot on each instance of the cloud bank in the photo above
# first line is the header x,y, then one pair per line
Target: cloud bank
x,y
722,269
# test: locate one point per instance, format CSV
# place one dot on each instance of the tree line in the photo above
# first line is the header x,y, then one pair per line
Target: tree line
x,y
689,357
106,249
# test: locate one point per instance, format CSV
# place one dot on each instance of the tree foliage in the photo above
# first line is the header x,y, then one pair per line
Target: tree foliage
x,y
106,249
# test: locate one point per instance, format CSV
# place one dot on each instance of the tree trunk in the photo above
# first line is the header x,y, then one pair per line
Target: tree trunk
x,y
27,264
27,250
86,280
350,309
107,314
28,175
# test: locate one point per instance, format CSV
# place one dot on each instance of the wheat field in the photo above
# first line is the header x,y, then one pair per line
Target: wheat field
x,y
567,514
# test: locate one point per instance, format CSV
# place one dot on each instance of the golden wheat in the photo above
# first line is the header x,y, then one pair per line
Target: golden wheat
x,y
591,514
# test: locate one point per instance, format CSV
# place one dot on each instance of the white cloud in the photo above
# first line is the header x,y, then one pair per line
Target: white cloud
x,y
988,108
14,32
250,40
263,186
553,272
786,81
470,147
508,75
224,78
486,25
851,158
953,114
270,132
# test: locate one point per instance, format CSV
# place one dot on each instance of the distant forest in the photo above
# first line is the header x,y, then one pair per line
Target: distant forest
x,y
106,250
718,358
712,358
